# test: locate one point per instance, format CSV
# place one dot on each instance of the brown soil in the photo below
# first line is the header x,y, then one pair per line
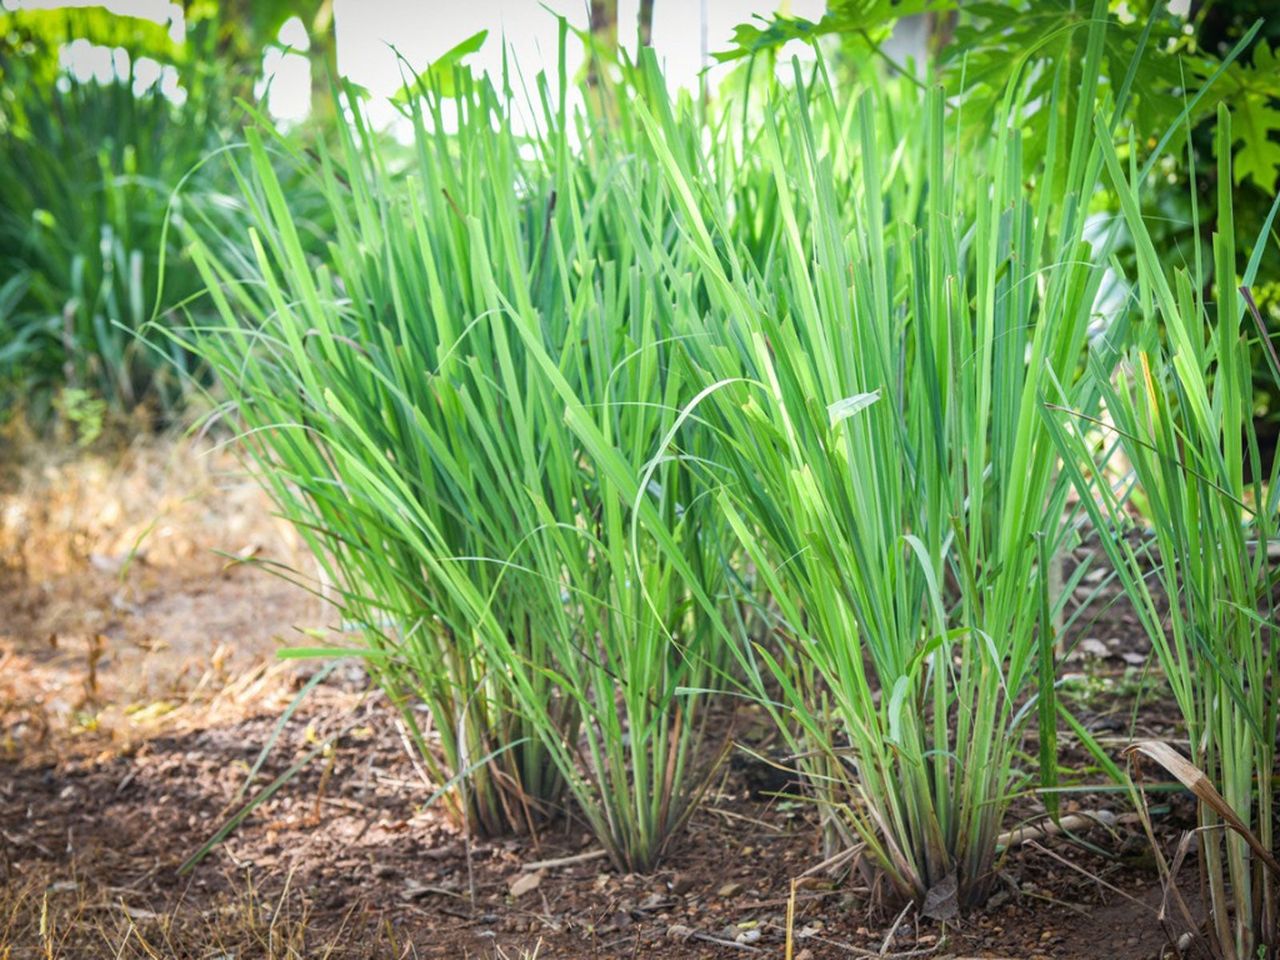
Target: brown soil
x,y
138,687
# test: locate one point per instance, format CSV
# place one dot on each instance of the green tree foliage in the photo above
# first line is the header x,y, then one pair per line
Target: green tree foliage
x,y
234,34
867,22
978,47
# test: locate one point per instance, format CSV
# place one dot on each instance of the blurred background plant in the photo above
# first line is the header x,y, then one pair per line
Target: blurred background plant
x,y
91,159
124,107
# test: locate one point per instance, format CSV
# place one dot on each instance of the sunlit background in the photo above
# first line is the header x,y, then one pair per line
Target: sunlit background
x,y
371,32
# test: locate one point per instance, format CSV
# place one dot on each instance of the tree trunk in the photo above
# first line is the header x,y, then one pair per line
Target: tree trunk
x,y
645,26
323,57
604,20
604,35
604,41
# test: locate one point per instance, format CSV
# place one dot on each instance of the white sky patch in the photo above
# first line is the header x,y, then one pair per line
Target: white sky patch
x,y
286,74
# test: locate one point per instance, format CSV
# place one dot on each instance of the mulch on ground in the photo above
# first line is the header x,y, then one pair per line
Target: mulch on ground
x,y
369,866
116,765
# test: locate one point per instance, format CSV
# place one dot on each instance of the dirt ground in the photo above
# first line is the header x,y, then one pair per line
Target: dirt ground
x,y
138,684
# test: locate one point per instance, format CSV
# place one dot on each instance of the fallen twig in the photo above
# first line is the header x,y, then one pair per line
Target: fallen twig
x,y
564,861
721,942
1075,822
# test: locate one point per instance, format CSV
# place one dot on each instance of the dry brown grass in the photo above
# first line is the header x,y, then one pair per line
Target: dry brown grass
x,y
68,920
120,621
120,612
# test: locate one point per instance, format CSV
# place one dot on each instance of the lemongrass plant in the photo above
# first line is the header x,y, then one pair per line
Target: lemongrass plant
x,y
1182,407
405,401
622,558
630,562
359,379
874,382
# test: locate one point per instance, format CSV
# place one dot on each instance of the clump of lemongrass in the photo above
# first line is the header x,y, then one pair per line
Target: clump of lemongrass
x,y
455,407
623,586
875,382
1182,407
362,379
629,561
